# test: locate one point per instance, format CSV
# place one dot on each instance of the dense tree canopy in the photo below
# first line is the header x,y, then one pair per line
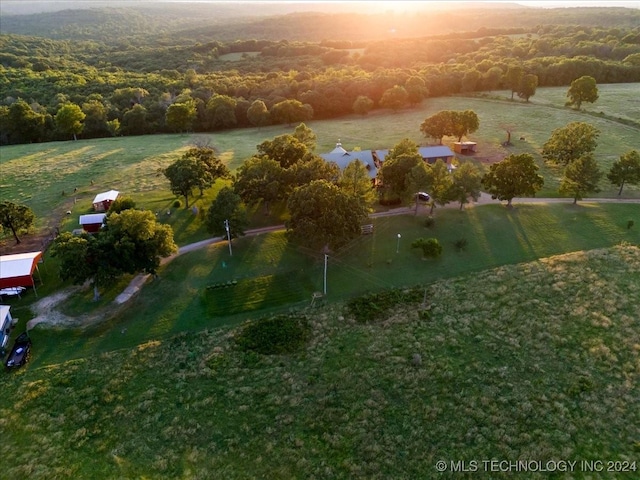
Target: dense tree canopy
x,y
259,179
397,165
570,142
132,241
323,215
515,176
466,184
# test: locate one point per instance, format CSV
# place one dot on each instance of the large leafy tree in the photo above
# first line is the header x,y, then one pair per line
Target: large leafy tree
x,y
133,241
285,149
323,215
180,116
528,86
290,111
134,120
15,217
259,179
69,119
221,112
355,181
362,105
258,114
437,125
466,184
210,167
515,176
396,167
184,176
513,78
95,121
306,136
570,142
581,177
227,206
313,168
463,123
394,98
583,89
441,184
24,124
625,170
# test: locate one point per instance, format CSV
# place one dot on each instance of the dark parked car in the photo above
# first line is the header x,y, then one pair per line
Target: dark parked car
x,y
423,196
19,354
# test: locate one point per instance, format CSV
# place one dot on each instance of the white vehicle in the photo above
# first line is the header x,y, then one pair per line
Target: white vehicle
x,y
6,322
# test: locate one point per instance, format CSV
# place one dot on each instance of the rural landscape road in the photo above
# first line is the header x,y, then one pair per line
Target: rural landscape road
x,y
45,308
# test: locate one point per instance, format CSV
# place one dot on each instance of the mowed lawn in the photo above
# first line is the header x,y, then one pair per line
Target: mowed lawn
x,y
193,291
534,362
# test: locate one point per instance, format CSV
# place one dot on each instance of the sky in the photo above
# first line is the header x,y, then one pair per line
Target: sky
x,y
34,6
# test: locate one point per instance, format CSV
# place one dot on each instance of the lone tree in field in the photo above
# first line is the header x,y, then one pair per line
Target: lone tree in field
x,y
570,142
362,105
456,123
69,119
581,177
626,170
210,166
394,98
513,78
323,215
515,176
184,176
528,86
17,218
583,89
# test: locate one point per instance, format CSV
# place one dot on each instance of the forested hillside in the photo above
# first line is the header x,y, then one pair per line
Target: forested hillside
x,y
125,68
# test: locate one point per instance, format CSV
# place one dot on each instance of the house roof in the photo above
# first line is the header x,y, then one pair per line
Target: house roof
x,y
437,151
92,219
110,195
343,158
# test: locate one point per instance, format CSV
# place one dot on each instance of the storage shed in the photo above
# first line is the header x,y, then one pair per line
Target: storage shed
x,y
92,222
17,270
465,147
103,200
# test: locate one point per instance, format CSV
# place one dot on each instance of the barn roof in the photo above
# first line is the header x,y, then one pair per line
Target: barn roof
x,y
437,151
15,269
110,195
92,219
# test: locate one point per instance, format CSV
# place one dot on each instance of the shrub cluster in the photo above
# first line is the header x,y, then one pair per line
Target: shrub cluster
x,y
374,306
274,335
215,286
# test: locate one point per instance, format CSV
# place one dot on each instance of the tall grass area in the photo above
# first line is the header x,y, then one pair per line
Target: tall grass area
x,y
535,361
37,174
273,275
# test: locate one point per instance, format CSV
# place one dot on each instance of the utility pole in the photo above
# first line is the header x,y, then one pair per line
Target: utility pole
x,y
325,274
226,226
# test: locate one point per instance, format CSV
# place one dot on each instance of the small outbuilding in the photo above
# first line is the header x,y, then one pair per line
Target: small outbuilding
x,y
17,270
465,148
103,200
92,222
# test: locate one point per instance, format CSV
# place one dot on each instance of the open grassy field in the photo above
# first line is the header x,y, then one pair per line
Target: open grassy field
x,y
37,174
537,361
272,275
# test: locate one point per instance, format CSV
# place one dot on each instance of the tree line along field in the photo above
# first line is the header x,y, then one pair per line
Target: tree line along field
x,y
37,174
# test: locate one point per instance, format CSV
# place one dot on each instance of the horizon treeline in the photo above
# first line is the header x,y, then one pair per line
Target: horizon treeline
x,y
128,87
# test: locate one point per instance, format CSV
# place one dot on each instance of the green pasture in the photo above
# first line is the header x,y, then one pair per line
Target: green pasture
x,y
38,174
273,275
537,361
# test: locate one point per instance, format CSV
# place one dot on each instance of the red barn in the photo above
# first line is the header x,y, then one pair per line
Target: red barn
x,y
17,270
103,200
93,222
